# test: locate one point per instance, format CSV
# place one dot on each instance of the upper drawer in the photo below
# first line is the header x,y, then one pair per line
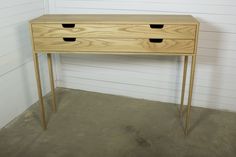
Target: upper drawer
x,y
170,31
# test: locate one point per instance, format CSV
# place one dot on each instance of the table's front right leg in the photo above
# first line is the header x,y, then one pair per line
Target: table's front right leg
x,y
187,120
183,85
41,103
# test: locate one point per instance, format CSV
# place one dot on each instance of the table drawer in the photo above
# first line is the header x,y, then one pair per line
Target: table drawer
x,y
171,31
114,45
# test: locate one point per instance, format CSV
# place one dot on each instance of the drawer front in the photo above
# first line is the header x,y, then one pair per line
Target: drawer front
x,y
115,31
114,45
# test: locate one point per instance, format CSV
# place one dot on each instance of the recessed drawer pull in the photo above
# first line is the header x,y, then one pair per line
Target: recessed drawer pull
x,y
156,26
69,39
68,25
156,40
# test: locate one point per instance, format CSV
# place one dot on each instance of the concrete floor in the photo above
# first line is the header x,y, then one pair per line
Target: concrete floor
x,y
90,124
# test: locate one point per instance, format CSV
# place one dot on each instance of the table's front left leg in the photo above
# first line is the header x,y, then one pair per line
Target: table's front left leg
x,y
50,69
41,103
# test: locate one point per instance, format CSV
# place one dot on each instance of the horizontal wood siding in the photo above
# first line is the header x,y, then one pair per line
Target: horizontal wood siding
x,y
17,82
159,78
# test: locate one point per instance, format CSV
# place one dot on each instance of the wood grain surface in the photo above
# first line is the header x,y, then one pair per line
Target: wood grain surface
x,y
172,31
115,18
114,45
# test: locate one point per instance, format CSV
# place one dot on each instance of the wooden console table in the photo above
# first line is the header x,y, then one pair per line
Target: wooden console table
x,y
174,35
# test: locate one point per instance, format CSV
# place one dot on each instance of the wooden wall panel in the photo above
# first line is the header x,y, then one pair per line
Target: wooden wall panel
x,y
159,78
17,82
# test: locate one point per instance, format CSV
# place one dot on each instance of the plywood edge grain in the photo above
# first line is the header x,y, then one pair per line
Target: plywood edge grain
x,y
115,18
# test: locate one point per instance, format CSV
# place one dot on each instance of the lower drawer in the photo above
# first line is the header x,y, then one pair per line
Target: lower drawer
x,y
114,45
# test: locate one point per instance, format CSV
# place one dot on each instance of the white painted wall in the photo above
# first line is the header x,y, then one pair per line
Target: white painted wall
x,y
17,80
159,78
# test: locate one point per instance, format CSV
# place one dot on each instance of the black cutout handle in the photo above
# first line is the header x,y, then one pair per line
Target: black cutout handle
x,y
68,25
69,39
156,40
156,26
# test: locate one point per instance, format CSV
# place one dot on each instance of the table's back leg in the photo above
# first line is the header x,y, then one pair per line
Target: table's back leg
x,y
187,121
41,103
183,85
49,56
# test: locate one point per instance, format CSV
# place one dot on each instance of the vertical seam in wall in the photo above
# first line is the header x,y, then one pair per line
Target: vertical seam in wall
x,y
46,6
54,5
56,57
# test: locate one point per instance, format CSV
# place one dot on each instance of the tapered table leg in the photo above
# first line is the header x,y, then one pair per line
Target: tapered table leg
x,y
41,103
49,56
187,121
183,85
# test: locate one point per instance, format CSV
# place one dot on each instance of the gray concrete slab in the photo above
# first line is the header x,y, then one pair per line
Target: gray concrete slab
x,y
90,124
